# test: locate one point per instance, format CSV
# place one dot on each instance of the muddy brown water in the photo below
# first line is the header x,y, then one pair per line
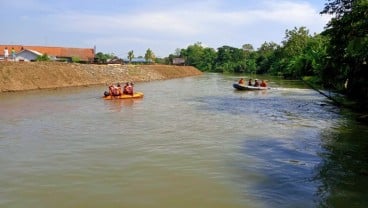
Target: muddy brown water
x,y
190,142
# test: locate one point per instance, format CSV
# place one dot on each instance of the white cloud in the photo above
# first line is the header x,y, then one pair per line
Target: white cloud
x,y
190,22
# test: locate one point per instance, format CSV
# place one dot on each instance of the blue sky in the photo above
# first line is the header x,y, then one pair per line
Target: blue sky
x,y
118,26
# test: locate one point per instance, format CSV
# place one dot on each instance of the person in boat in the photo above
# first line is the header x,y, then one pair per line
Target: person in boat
x,y
118,89
250,82
241,81
256,83
263,83
111,90
115,90
128,88
125,89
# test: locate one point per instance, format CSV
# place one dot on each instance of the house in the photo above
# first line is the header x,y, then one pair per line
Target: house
x,y
178,61
115,60
27,55
55,53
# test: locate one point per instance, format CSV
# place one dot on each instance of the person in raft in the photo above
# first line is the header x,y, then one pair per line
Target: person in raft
x,y
241,81
250,82
256,83
263,83
128,88
115,90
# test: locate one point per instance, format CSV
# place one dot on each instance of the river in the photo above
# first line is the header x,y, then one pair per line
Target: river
x,y
190,142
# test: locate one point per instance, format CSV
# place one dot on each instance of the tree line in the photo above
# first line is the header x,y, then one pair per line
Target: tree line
x,y
149,57
334,59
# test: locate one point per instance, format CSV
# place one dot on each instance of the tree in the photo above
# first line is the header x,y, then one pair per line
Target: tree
x,y
177,52
102,58
248,47
348,47
130,56
207,59
223,61
291,60
295,41
266,57
230,59
149,56
314,56
193,54
198,56
338,7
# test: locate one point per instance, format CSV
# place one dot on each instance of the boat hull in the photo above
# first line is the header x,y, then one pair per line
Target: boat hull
x,y
134,96
245,87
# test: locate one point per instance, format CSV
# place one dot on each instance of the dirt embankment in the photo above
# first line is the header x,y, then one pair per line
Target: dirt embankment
x,y
42,75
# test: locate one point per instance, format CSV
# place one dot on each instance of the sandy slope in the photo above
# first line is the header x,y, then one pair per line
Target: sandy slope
x,y
41,75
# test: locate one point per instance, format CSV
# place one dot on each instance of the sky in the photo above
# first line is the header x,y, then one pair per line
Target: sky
x,y
119,26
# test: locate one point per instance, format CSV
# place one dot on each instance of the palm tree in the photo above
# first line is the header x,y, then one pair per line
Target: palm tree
x,y
130,55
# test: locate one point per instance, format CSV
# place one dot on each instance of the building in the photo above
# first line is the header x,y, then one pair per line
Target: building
x,y
30,53
178,61
27,55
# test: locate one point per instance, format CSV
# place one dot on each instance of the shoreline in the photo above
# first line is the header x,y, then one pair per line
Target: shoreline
x,y
23,76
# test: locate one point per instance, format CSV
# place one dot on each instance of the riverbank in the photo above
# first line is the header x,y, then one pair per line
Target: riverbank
x,y
341,101
20,76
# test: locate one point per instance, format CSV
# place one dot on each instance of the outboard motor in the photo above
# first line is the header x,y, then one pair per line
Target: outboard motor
x,y
106,93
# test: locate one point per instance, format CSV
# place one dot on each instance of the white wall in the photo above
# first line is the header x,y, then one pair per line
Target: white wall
x,y
25,56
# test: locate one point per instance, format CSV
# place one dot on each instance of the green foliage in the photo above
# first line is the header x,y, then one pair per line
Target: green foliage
x,y
230,59
248,47
193,54
171,57
102,58
44,57
266,57
251,66
291,59
149,56
295,41
299,55
207,59
162,60
348,47
76,59
198,56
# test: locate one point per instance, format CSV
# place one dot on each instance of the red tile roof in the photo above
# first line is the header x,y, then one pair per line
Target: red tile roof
x,y
85,54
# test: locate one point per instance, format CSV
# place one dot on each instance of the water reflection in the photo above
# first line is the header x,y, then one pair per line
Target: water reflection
x,y
284,171
344,169
117,105
281,150
251,92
